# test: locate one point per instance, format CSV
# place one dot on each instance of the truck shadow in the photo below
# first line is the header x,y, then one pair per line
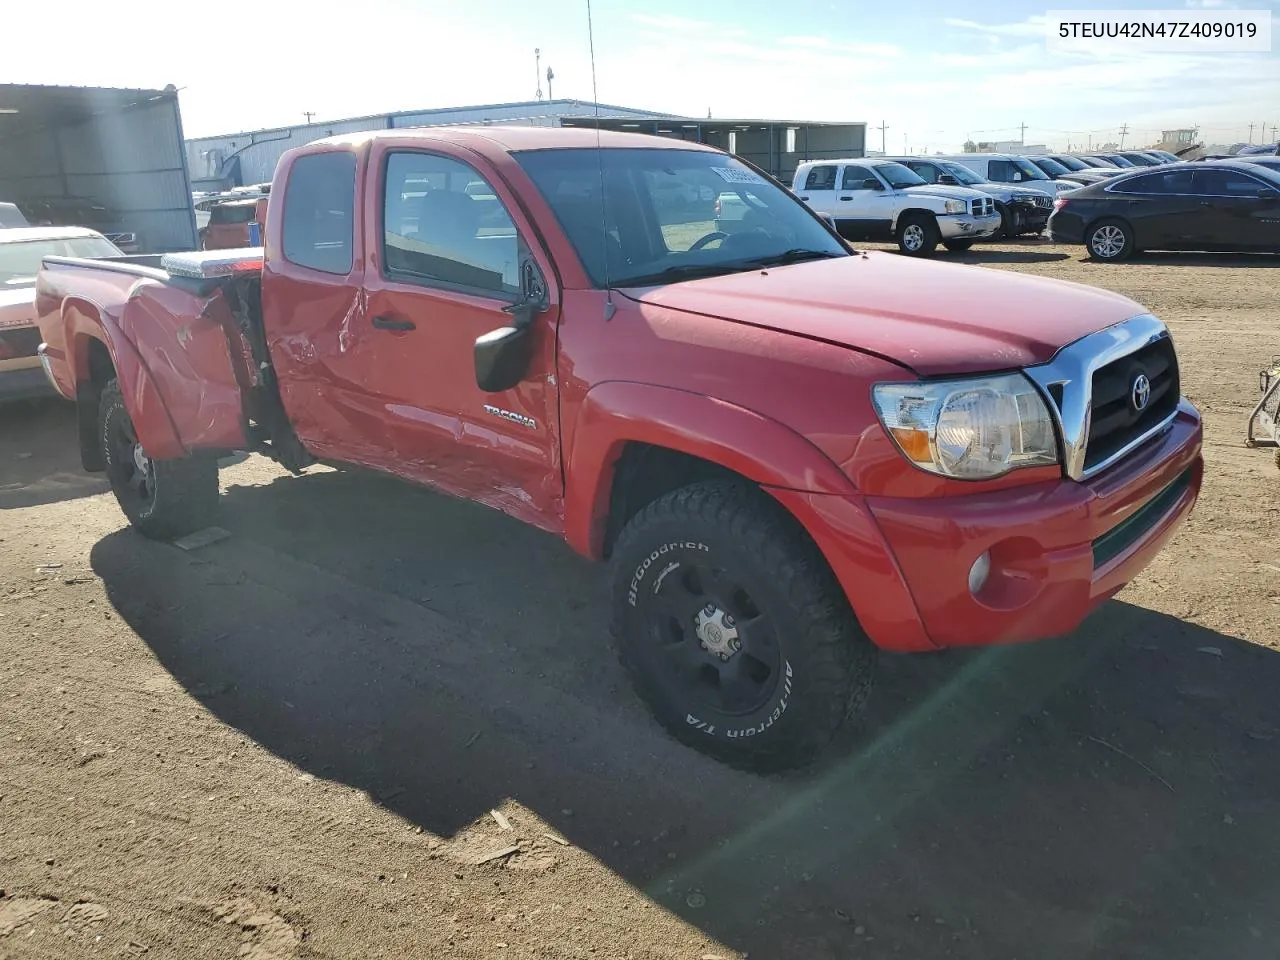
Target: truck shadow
x,y
39,455
1110,794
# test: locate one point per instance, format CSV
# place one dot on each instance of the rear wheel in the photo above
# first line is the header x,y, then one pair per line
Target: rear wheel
x,y
957,246
163,499
734,631
918,235
1109,240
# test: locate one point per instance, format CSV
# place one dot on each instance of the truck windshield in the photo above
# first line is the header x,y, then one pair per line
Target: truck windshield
x,y
963,175
1051,166
20,259
899,176
671,214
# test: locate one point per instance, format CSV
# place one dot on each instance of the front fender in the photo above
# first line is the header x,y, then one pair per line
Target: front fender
x,y
616,413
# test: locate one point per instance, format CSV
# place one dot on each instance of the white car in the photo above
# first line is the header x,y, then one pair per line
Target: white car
x,y
874,199
1011,168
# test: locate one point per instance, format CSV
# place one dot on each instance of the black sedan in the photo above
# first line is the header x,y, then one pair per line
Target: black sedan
x,y
1227,205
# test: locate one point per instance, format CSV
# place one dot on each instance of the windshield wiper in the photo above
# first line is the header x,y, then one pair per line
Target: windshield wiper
x,y
794,255
685,271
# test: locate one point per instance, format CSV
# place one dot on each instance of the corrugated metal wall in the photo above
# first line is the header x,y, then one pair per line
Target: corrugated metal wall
x,y
131,160
259,151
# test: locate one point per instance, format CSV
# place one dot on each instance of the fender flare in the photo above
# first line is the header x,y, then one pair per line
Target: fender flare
x,y
84,321
897,217
618,412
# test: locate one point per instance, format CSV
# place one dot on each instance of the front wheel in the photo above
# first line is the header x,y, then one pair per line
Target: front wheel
x,y
733,630
163,499
918,235
1109,240
957,246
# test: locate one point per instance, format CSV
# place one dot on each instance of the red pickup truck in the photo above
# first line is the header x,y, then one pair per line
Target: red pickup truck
x,y
792,453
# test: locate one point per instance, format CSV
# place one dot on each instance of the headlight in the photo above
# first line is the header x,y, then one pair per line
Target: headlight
x,y
974,429
956,206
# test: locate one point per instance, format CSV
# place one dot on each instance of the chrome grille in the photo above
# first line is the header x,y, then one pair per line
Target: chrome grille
x,y
1090,382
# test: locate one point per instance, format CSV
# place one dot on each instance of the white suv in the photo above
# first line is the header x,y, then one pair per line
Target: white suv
x,y
874,199
1011,168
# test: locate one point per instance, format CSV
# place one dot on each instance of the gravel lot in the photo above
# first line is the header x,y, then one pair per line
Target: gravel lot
x,y
288,744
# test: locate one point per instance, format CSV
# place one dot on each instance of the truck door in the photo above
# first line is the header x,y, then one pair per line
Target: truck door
x,y
445,245
864,205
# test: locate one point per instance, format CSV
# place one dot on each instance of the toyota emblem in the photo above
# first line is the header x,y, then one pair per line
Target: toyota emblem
x,y
1140,392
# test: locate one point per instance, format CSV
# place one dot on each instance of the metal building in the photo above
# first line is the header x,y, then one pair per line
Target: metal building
x,y
101,157
238,159
777,146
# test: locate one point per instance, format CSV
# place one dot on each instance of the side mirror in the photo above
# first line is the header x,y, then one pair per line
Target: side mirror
x,y
872,184
502,356
1268,193
947,180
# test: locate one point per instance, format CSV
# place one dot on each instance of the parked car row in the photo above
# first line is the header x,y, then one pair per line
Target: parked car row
x,y
1216,205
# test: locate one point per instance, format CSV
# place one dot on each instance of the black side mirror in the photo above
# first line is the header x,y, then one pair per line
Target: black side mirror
x,y
502,355
947,180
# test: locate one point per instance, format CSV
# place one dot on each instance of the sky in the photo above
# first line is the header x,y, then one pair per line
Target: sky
x,y
935,73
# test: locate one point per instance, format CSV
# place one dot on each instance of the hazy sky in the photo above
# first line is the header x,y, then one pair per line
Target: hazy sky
x,y
935,72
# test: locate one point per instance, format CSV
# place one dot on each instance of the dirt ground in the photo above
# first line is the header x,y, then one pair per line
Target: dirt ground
x,y
288,744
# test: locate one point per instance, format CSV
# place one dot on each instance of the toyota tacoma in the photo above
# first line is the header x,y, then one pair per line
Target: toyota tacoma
x,y
792,453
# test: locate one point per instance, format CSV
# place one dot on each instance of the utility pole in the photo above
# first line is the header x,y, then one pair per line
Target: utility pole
x,y
883,128
1124,132
550,76
537,69
1022,134
1251,134
308,114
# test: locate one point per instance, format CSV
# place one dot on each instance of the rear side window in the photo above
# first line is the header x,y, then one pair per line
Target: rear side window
x,y
821,178
925,171
319,212
1169,182
1003,171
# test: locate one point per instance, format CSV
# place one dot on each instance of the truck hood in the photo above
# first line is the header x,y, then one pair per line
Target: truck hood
x,y
933,318
944,191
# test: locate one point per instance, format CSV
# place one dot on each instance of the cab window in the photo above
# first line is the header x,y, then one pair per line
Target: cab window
x,y
444,226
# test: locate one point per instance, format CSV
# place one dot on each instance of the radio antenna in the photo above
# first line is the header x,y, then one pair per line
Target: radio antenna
x,y
609,308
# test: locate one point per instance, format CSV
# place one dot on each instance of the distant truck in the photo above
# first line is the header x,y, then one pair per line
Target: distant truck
x,y
874,199
792,453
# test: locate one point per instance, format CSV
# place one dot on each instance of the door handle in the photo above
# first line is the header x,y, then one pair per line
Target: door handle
x,y
804,198
391,323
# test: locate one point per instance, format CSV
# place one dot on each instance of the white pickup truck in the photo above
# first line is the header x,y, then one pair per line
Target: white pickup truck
x,y
874,199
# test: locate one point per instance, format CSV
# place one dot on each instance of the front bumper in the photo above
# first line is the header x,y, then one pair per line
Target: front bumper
x,y
1030,217
968,227
1058,550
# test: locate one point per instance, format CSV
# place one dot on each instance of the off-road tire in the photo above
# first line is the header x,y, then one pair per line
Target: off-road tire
x,y
1111,227
827,663
184,496
928,227
957,246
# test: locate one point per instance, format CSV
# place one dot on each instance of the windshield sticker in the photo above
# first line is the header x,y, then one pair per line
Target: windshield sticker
x,y
738,175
